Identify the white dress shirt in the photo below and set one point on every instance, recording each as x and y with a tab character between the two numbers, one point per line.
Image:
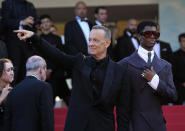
143	53
85	28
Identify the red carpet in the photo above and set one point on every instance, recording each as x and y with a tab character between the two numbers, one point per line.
174	115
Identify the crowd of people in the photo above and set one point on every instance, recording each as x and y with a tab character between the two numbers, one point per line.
136	73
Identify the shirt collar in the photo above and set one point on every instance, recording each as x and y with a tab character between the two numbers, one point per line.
129	34
143	53
101	62
79	19
33	76
97	22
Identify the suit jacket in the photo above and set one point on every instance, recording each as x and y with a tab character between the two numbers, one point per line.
166	51
29	107
124	47
75	41
86	113
179	73
3	50
146	102
13	11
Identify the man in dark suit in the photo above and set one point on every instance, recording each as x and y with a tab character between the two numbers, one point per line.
152	82
179	69
100	15
99	84
127	43
77	31
18	14
56	77
29	106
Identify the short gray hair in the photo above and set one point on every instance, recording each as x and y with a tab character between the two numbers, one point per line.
105	29
35	62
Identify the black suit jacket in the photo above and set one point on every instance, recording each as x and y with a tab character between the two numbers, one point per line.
29	107
14	11
86	113
75	41
146	109
166	51
179	74
124	47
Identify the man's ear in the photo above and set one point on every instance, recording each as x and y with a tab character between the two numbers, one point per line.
95	15
107	43
139	37
40	70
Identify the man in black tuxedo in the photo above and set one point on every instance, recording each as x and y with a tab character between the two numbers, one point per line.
127	43
29	106
99	84
179	69
56	77
18	14
100	15
152	82
77	31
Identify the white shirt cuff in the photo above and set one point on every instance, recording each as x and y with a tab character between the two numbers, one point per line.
20	25
154	82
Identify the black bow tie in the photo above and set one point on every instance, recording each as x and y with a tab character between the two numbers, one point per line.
85	20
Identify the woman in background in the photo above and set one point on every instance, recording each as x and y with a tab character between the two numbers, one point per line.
6	77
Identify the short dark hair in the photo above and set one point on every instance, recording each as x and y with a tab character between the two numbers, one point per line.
182	35
45	16
2	64
98	8
142	25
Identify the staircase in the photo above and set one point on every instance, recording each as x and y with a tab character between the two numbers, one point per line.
174	115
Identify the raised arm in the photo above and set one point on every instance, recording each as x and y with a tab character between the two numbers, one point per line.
55	55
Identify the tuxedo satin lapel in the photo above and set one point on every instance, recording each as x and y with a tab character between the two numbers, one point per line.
108	79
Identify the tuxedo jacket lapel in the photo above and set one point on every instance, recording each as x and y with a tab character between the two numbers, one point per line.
80	31
136	61
108	80
157	64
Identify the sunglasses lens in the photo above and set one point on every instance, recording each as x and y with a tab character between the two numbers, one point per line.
148	34
156	35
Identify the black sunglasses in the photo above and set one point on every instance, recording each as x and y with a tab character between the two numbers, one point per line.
148	34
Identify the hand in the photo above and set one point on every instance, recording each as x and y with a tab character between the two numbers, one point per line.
24	34
29	21
4	93
148	74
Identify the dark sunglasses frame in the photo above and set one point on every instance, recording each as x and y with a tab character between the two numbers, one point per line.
148	34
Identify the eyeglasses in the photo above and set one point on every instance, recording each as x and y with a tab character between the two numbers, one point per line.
148	34
10	69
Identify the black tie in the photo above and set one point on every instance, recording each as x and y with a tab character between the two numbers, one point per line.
149	60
